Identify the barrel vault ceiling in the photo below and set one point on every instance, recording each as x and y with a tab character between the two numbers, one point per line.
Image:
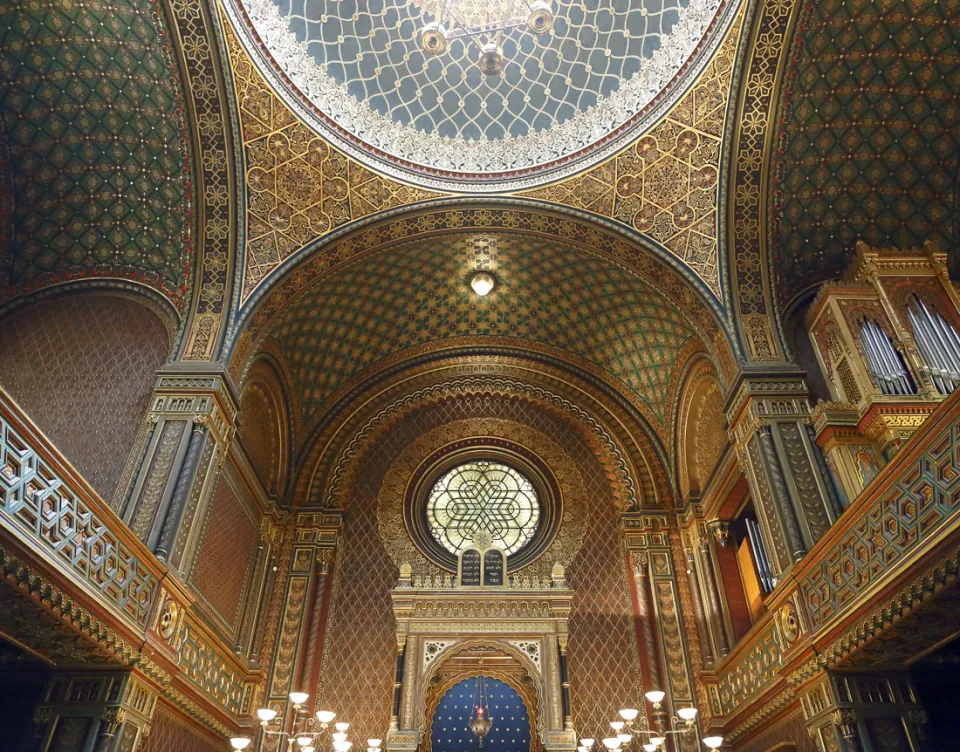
869	136
95	151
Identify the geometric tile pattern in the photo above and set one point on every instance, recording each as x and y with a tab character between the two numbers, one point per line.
665	185
94	122
98	355
546	293
38	507
925	499
299	188
357	671
869	141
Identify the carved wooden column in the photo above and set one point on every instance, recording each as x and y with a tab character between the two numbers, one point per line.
645	618
648	534
768	415
189	428
297	655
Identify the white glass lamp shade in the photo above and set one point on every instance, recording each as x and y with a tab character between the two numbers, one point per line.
298	698
266	714
581	748
656	741
309	749
656	696
240	742
340	736
625	738
629	714
374	743
616	725
713	742
325	716
613	743
588	743
688	714
649	747
342	746
304	741
341	727
482	283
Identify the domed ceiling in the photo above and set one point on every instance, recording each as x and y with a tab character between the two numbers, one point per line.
358	71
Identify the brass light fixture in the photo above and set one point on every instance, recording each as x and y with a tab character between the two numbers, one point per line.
480	720
482	282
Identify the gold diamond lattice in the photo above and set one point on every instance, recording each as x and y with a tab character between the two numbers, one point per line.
483	496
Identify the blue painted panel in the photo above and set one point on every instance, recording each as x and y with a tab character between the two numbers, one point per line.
511	722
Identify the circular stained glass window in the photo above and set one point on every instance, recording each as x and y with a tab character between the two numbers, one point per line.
483	495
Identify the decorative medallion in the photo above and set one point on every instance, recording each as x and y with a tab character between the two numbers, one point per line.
388	83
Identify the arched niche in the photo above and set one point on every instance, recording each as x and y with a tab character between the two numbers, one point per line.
701	428
263	425
82	365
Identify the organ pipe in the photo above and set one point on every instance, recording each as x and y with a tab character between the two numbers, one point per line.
884	361
938	344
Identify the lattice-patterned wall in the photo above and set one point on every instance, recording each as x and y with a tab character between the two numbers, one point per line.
360	644
171	732
82	367
221	571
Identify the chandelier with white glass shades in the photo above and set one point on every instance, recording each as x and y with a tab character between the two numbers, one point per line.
306	732
668	729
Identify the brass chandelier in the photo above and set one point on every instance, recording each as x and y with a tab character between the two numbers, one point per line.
482	22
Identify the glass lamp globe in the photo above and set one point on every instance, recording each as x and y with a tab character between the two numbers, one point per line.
588	743
656	741
655	696
581	748
240	742
616	725
325	716
266	714
713	742
482	283
309	749
374	743
342	746
625	738
613	743
298	698
629	714
304	741
339	736
649	747
341	727
688	714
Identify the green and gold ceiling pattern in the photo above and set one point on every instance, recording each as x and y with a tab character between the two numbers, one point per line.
869	142
98	157
416	296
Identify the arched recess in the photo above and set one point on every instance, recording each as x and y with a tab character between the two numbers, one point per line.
496	659
701	428
82	365
263	428
376	468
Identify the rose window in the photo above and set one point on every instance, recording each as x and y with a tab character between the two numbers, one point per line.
483	495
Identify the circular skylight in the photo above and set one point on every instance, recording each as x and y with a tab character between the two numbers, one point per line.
358	71
482	495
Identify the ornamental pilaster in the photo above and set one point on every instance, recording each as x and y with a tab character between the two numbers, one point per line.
189	427
769	419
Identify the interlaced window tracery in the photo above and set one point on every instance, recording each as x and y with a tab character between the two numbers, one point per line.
483	495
